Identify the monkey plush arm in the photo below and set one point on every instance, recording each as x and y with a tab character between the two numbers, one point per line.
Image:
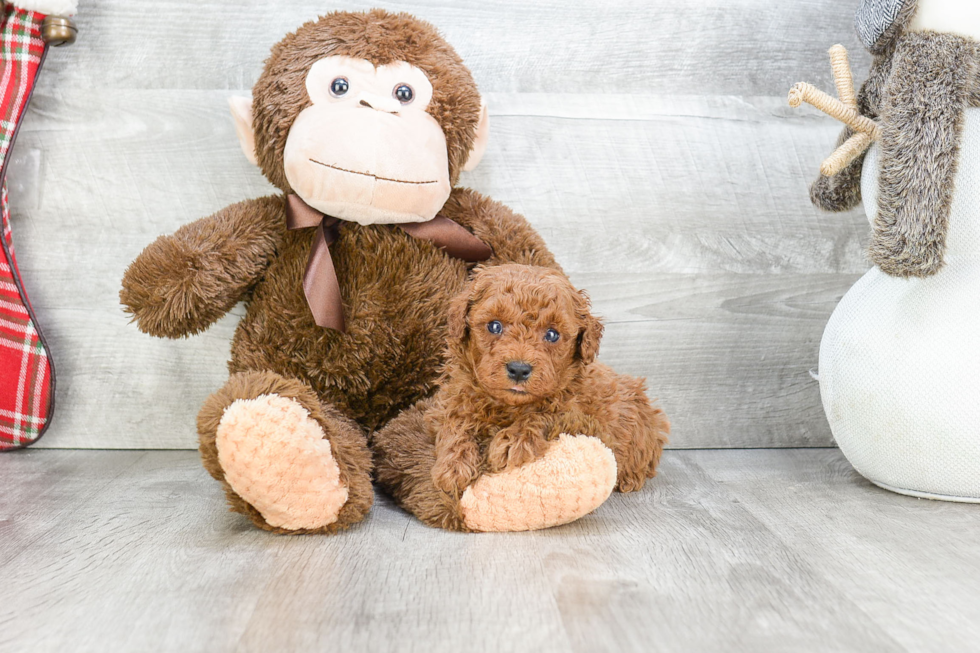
181	284
509	234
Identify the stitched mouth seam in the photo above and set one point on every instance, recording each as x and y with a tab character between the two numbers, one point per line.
366	174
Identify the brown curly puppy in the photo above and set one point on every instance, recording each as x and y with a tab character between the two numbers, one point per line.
520	371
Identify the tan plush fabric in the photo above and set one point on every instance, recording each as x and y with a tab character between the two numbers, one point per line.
396	170
275	456
348	445
562	486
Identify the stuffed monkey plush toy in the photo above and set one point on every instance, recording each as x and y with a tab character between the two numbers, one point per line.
364	121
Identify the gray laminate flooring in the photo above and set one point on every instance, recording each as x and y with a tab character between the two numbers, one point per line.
752	550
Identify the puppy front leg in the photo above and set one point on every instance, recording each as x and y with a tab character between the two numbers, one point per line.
457	460
518	444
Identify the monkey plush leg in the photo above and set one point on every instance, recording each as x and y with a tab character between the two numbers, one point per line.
404	455
573	478
287	462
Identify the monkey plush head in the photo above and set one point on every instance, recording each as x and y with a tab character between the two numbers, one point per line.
368	117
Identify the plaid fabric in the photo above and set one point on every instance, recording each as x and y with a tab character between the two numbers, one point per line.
26	376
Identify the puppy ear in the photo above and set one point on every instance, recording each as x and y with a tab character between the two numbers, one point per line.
590	330
458	328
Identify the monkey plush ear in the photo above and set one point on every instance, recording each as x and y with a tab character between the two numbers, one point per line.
457	329
481	139
241	112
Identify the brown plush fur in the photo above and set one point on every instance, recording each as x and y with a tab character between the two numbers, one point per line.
395	288
404	454
481	421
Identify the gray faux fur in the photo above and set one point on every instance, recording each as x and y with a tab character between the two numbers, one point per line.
919	85
842	192
922	111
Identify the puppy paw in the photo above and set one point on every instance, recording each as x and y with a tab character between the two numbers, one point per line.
630	482
509	450
453	474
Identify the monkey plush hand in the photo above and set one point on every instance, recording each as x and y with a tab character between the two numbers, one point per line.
364	121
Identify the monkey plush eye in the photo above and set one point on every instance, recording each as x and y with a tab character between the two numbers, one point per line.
551	335
339	86
404	93
495	327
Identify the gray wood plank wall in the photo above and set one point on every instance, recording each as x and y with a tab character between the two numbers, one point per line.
649	142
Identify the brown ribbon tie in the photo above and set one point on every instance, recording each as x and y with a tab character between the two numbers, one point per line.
320	284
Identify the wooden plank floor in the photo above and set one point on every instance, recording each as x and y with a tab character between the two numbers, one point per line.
752	550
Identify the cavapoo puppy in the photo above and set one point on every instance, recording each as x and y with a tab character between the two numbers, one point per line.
520	371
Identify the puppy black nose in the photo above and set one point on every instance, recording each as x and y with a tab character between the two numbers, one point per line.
518	370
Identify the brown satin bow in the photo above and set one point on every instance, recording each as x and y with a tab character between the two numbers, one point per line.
320	279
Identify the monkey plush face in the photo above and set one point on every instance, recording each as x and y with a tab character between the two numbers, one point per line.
368	117
366	150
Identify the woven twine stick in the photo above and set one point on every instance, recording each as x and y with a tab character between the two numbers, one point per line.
841	66
843	155
834	108
844	109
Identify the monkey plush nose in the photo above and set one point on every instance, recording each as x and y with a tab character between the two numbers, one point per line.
518	370
378	103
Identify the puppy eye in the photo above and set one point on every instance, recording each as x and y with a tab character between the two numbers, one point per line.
404	93
551	335
339	86
495	327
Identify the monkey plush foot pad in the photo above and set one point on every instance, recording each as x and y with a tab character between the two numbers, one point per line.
572	479
275	457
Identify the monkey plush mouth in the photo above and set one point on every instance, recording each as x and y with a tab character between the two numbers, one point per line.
367	174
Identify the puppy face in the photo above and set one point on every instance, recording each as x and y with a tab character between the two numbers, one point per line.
524	332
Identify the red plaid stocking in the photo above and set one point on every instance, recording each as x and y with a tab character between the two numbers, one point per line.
26	375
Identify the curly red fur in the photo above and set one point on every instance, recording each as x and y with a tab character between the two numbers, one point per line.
484	421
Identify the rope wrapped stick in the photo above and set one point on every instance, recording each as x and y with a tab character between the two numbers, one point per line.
851	149
844	109
841	67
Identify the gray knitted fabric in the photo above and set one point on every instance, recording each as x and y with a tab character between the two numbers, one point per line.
875	17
